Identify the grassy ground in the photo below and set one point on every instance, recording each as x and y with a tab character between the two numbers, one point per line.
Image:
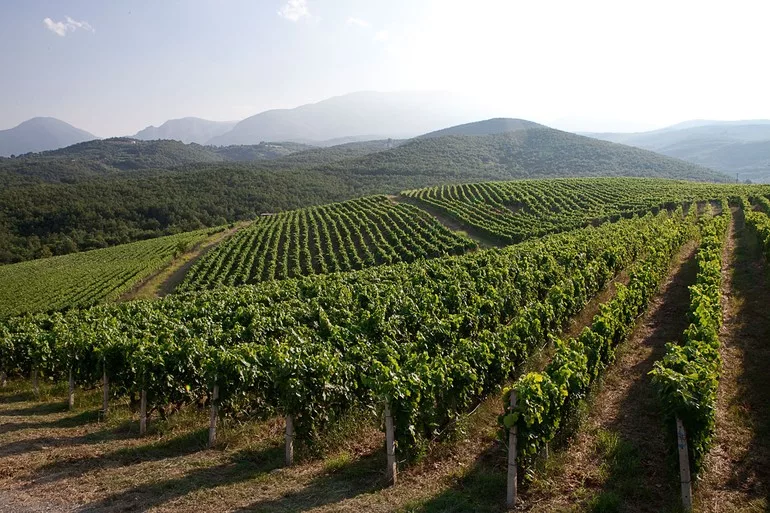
617	459
737	476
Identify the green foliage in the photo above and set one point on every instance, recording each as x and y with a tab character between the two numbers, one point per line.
430	337
111	192
688	375
510	212
545	400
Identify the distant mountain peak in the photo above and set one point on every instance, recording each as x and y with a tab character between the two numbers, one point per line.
40	134
187	130
382	115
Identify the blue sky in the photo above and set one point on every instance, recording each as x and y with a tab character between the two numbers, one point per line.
115	67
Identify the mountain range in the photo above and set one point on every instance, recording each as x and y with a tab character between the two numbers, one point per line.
739	148
370	115
187	130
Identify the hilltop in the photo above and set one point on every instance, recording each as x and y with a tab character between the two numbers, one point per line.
486	127
40	134
524	153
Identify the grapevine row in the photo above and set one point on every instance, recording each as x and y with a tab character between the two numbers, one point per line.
544	400
509	212
688	375
428	338
338	237
87	278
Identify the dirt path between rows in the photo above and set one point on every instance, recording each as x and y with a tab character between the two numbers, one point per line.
736	477
479	237
166	280
617	461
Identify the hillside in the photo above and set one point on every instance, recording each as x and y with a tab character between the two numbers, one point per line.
127	154
486	127
103	210
87	278
110	157
371	114
40	134
186	130
526	153
732	147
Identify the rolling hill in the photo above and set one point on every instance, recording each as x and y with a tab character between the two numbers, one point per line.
740	147
186	130
40	134
127	205
524	153
108	157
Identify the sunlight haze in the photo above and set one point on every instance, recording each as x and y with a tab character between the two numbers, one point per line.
114	68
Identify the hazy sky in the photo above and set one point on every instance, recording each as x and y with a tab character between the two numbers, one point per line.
113	67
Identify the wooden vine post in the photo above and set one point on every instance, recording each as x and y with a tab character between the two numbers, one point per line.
214	415
390	446
35	386
143	413
512	469
105	391
3	378
684	465
289	440
71	395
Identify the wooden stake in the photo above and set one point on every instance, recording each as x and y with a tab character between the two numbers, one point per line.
289	440
684	465
71	396
213	418
512	469
35	386
390	446
105	392
3	378
143	414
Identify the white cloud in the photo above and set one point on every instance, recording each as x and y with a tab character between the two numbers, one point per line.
358	22
61	28
293	10
382	35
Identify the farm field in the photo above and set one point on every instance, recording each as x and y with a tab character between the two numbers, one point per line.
316	240
574	318
88	278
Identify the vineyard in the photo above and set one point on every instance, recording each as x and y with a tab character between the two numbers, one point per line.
330	238
88	278
509	212
313	315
